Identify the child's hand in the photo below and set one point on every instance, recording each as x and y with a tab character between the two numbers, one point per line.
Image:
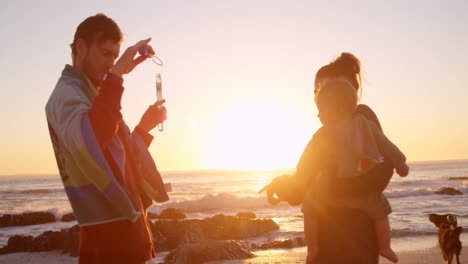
271	194
403	170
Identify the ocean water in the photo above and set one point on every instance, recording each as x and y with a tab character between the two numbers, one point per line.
206	193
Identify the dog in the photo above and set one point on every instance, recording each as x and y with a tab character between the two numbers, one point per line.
449	235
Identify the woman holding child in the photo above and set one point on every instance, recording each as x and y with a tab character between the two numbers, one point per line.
344	169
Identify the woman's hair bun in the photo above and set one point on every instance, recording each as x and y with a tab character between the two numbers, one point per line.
347	63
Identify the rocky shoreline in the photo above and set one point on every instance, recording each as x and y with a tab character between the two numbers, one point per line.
220	237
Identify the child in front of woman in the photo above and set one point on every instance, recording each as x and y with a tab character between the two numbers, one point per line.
352	145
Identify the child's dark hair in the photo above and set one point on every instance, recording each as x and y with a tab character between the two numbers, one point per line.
97	28
346	65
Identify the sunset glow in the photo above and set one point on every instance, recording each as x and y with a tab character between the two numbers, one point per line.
238	76
255	135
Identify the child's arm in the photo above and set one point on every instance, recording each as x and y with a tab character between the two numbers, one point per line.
390	151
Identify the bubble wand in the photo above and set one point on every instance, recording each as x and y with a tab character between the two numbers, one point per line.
159	96
144	52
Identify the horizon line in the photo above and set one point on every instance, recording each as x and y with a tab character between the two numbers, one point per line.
221	169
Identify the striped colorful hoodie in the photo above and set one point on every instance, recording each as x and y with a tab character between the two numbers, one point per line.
94	186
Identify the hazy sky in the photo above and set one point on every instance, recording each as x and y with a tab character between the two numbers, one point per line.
238	75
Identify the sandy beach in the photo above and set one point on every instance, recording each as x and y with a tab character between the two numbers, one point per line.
427	256
411	255
410	250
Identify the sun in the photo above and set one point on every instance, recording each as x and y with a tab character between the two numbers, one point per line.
260	135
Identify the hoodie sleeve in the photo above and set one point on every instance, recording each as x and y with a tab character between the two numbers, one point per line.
105	114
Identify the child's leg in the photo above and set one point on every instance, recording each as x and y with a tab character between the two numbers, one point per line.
311	236
382	229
